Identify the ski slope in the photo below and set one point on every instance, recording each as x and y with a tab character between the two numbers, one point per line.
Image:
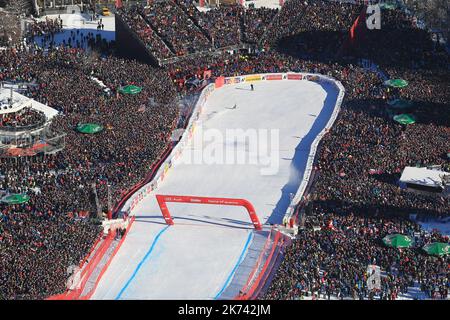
197	257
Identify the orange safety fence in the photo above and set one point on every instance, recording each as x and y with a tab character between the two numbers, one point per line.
248	292
87	271
105	267
245	288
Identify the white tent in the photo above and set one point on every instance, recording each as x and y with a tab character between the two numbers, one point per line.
423	177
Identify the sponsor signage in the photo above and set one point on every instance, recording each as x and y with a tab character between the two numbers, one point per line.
232	80
253	78
294	77
274	77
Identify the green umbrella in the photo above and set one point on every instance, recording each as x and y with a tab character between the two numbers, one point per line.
16	198
437	248
405	118
400	103
89	128
396	83
130	89
388	6
397	241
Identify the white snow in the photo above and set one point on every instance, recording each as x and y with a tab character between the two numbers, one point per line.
82	22
20	101
423	176
271	4
196	257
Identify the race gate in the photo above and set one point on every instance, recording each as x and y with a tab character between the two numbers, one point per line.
163	199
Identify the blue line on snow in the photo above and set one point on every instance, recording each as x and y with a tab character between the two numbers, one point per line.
241	257
142	262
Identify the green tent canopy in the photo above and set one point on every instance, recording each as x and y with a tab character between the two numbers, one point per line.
405	119
15	198
396	83
397	241
388	6
400	103
89	128
130	89
437	248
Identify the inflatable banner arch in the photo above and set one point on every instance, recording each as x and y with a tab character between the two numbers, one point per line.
163	199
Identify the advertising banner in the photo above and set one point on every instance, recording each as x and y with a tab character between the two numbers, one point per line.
311	77
294	77
232	80
219	82
274	77
253	78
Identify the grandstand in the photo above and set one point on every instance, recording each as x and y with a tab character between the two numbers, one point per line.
25	126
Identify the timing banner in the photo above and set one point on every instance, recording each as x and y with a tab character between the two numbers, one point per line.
273	77
312	77
232	80
219	82
163	199
253	78
294	77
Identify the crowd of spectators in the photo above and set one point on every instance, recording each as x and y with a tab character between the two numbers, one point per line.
60	186
132	17
223	25
22	118
256	23
416	50
45	27
175	27
178	27
298	17
360	162
356	172
332	263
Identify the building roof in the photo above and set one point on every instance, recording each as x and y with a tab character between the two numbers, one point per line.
20	101
423	176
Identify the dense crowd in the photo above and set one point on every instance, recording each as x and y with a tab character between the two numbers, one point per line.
132	17
223	25
22	118
357	168
256	23
45	27
60	186
175	27
325	263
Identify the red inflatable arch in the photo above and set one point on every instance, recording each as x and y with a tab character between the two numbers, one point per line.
163	199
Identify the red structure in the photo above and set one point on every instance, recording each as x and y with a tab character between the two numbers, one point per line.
163	199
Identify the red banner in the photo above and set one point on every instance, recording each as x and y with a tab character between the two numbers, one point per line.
294	77
274	77
220	81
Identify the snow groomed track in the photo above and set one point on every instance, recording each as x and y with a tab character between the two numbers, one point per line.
199	256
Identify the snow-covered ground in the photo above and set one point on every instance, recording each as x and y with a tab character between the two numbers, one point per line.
272	4
84	23
196	257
